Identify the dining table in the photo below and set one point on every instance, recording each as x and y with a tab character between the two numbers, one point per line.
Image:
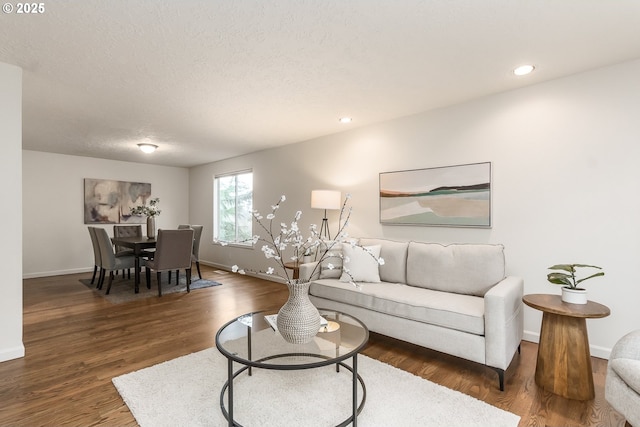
140	245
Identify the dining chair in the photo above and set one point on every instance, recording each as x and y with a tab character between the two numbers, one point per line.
173	252
110	262
126	231
96	255
195	254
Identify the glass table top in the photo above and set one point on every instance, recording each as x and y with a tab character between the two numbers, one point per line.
252	340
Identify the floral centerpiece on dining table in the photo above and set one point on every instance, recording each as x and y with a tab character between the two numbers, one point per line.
298	320
147	210
151	211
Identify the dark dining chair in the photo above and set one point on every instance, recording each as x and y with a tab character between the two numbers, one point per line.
173	252
110	262
195	253
126	231
97	260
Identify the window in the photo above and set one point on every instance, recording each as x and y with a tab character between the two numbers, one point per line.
232	204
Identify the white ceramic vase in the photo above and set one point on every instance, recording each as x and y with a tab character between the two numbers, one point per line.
298	320
574	296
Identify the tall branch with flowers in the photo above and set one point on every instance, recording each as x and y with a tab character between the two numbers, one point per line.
148	211
280	237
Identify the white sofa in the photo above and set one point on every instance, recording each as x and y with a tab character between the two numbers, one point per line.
622	386
454	299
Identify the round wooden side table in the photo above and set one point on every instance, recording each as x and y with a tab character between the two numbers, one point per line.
295	266
563	366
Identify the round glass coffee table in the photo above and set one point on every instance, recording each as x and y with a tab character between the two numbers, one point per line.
253	342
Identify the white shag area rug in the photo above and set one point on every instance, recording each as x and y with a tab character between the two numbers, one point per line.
186	392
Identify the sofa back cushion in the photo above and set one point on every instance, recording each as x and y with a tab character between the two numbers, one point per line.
394	254
331	265
470	269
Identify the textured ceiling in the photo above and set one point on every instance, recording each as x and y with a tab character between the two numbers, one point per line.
212	79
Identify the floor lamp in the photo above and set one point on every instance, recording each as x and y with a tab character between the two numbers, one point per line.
325	199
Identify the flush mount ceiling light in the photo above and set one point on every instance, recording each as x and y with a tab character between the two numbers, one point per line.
147	148
345	119
523	70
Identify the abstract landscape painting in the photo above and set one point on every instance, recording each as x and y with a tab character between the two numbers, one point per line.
454	196
110	202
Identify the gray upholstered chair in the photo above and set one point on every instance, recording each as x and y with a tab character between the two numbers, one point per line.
110	262
197	235
126	231
622	386
97	260
173	252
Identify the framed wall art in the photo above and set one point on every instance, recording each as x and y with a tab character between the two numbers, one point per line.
110	202
453	196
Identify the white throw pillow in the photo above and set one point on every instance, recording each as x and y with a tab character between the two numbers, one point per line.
361	263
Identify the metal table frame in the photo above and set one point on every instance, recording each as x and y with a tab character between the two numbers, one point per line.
248	364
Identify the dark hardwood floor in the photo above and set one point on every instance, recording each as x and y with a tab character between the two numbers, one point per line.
76	341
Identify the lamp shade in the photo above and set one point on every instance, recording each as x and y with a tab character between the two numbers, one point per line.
325	199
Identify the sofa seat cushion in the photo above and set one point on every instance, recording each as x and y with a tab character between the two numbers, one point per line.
453	311
629	371
470	269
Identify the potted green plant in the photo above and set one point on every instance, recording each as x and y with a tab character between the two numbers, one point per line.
566	277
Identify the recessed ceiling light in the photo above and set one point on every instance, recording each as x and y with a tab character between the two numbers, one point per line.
523	70
345	119
147	148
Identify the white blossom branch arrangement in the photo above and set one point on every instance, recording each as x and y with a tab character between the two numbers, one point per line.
151	210
280	237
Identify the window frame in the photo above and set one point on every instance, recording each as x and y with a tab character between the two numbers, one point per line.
245	242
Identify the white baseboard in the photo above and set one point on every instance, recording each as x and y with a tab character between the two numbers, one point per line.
57	273
596	351
12	353
531	337
600	352
270	277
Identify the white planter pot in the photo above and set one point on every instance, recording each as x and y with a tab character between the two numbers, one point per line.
574	296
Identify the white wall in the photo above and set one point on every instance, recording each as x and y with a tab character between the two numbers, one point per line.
11	346
566	178
55	238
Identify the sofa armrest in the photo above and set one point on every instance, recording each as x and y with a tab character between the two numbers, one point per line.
627	347
307	269
503	321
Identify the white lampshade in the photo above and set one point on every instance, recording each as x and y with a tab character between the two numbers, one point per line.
325	199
